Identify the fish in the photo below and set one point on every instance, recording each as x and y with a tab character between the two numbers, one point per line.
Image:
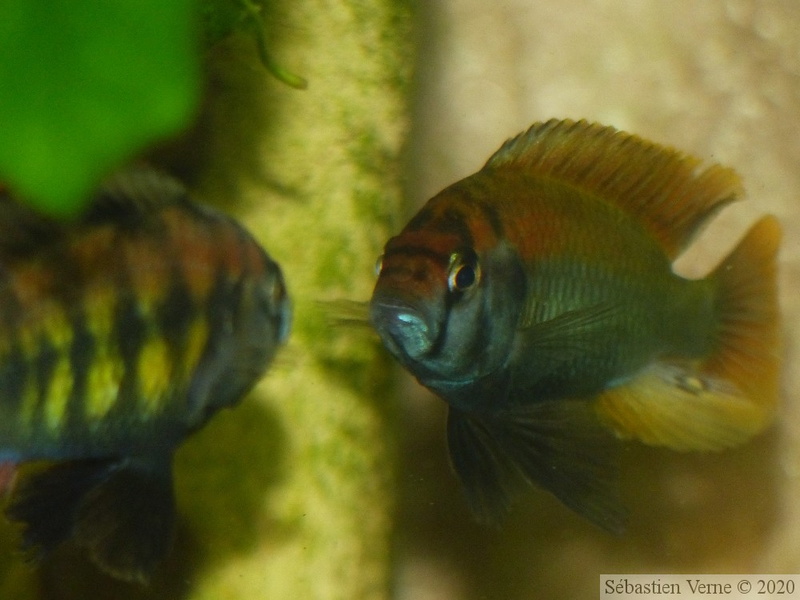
537	298
122	333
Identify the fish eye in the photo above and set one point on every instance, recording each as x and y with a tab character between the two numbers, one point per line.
464	272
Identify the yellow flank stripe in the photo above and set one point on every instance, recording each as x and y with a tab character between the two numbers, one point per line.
107	370
5	344
154	375
30	397
102	386
58	392
150	274
195	345
56	395
54	328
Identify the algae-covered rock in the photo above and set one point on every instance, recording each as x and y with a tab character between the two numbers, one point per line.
319	181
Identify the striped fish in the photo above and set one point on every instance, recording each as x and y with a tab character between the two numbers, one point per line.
537	298
120	334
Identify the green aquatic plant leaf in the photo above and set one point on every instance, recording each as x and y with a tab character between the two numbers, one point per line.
84	85
223	17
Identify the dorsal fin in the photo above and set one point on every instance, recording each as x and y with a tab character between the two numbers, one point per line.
134	192
669	192
125	198
22	229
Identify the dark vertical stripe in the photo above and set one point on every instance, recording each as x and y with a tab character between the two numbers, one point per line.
82	352
237	293
13	377
128	335
213	382
10	307
456	222
483	333
44	364
174	313
174	317
218	309
14	367
218	315
421	220
491	215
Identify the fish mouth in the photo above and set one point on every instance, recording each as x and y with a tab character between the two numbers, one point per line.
407	330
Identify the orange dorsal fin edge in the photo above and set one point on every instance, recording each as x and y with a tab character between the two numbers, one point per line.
669	192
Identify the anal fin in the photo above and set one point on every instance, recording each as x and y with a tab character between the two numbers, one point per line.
679	406
556	445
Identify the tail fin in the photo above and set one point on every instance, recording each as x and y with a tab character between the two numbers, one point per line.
727	398
121	511
748	335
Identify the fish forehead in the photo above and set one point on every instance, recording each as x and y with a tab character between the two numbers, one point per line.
416	260
468	211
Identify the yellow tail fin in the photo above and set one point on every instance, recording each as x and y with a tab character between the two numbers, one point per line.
727	398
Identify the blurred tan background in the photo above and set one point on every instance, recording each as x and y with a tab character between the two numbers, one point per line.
719	79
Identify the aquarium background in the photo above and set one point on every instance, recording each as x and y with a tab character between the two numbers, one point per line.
331	480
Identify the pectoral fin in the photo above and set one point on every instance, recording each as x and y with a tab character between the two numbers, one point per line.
556	445
564	325
683	408
554	349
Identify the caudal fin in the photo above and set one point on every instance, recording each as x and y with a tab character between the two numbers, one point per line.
748	335
727	398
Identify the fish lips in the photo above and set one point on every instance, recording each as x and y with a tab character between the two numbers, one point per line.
408	327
